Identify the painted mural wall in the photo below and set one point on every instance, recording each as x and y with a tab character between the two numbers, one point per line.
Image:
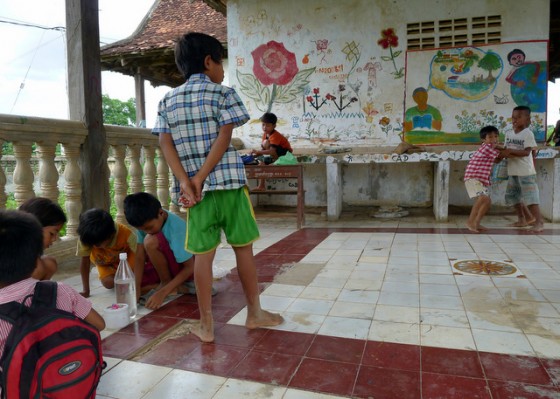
452	93
334	71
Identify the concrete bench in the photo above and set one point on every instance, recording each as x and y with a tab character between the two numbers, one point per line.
548	170
281	172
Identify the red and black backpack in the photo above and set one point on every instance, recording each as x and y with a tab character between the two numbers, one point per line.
49	353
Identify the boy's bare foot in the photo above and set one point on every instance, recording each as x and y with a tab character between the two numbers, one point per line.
264	319
259	188
537	228
482	228
203	333
472	228
531	222
519	224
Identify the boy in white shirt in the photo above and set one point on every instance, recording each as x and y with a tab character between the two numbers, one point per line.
522	183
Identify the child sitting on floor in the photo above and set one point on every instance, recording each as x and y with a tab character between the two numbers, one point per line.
52	218
21	246
101	240
162	264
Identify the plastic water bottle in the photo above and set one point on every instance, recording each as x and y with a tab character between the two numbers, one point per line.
125	285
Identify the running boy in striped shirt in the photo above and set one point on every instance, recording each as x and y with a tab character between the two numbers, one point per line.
477	176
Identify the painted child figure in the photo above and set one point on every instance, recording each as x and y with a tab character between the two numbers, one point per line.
477	177
195	124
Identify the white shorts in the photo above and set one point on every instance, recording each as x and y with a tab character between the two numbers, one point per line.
475	188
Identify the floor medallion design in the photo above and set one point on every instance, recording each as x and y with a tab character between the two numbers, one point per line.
485	267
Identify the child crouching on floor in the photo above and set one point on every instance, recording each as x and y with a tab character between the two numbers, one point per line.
162	265
101	240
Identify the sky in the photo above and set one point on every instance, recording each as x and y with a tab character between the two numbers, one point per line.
33	76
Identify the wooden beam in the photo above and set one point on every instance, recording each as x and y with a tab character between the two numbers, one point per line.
84	94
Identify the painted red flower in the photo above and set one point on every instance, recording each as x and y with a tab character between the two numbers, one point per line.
388	38
273	64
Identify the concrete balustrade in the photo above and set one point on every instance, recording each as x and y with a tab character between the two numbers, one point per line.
132	163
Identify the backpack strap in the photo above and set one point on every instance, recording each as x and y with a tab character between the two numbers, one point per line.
45	294
10	311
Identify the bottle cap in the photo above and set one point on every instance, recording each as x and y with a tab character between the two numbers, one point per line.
122	256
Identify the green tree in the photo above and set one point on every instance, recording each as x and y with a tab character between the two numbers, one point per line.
117	112
490	62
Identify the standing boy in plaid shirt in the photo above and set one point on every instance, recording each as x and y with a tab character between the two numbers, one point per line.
194	124
477	176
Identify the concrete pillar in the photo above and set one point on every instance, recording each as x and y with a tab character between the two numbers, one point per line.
441	191
334	189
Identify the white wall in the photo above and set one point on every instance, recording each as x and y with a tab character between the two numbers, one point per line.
336	43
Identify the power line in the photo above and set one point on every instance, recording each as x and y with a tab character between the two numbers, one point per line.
59	28
22	85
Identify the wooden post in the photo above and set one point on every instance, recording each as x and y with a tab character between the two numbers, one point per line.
140	101
84	94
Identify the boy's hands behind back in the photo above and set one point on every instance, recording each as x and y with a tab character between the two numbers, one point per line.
188	197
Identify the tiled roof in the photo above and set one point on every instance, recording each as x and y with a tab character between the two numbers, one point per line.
149	50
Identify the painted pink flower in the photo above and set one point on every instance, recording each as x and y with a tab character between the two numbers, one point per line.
273	64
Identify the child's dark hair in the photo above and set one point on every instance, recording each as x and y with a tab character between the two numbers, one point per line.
48	212
21	243
96	225
191	50
486	130
513	52
269	117
523	108
140	208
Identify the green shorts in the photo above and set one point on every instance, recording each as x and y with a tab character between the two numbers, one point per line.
227	210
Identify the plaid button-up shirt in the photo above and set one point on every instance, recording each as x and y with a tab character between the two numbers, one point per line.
193	114
481	163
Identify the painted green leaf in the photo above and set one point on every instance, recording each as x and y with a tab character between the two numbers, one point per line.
252	88
397	53
290	92
386	58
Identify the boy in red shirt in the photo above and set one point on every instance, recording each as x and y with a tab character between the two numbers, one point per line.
274	144
477	176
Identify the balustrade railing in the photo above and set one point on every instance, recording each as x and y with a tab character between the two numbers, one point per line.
135	161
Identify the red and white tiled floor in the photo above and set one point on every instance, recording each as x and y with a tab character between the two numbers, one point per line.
373	309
